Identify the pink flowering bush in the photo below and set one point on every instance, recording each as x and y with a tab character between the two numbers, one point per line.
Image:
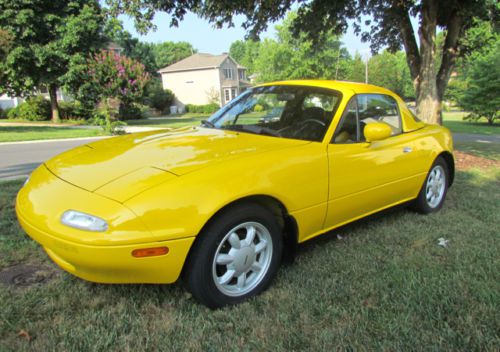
117	77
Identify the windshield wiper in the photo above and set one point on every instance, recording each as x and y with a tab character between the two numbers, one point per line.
208	123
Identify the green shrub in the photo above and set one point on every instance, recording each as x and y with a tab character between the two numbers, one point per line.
33	109
13	113
108	125
74	110
210	108
132	111
258	108
161	100
202	109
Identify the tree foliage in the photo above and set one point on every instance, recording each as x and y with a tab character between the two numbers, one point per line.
153	56
47	37
167	53
291	57
245	53
387	22
481	94
389	70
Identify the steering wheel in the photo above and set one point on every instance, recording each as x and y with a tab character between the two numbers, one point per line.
312	120
301	126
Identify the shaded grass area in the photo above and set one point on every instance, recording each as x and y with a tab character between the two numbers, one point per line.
485	150
385	285
454	121
28	133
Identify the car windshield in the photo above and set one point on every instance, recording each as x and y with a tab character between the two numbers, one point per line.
295	112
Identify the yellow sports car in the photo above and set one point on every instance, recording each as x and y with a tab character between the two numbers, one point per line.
220	204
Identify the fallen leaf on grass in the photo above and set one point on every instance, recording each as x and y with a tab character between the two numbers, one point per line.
25	334
443	242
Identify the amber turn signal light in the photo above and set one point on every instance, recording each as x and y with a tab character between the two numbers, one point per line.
149	252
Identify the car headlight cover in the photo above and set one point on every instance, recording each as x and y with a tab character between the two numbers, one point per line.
83	221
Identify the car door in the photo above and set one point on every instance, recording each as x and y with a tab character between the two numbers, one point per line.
366	177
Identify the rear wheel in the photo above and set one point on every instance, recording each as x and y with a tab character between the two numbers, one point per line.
433	192
235	257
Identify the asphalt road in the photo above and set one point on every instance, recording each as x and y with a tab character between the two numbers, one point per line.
17	160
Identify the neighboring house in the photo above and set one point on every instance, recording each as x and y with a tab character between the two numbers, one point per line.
204	78
11	102
7	102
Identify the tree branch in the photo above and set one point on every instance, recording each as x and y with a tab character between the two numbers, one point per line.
450	52
409	40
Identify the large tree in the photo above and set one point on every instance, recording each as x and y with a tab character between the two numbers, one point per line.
297	57
47	37
388	23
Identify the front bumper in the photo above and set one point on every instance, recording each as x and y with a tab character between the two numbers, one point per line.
98	257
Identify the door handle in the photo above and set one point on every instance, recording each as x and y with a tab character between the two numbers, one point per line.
407	150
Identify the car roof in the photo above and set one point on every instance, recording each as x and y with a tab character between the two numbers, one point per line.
355	87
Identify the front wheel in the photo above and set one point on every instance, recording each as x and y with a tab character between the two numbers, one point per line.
433	192
235	257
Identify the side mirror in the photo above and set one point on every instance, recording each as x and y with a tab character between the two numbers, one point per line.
377	131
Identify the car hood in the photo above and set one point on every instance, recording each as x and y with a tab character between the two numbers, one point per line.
131	163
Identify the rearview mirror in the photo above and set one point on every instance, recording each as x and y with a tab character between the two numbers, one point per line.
377	131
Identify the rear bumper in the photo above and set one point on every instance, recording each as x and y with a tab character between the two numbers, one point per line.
112	264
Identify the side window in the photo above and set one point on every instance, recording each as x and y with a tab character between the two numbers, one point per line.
348	130
379	108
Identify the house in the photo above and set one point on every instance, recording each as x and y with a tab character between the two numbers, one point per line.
204	78
7	102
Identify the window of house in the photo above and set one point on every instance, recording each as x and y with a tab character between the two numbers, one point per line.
242	74
233	93
228	73
227	95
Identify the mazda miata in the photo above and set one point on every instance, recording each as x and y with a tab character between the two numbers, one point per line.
221	203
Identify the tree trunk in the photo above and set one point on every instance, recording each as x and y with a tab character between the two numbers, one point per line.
429	82
428	102
53	103
428	97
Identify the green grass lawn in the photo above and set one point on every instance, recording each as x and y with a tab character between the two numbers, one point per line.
385	285
27	133
454	121
485	150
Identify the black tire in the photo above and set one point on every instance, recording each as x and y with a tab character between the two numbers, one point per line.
422	204
202	271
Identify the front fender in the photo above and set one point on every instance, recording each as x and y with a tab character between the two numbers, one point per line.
297	177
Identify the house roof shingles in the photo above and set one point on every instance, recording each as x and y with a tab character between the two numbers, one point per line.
196	62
